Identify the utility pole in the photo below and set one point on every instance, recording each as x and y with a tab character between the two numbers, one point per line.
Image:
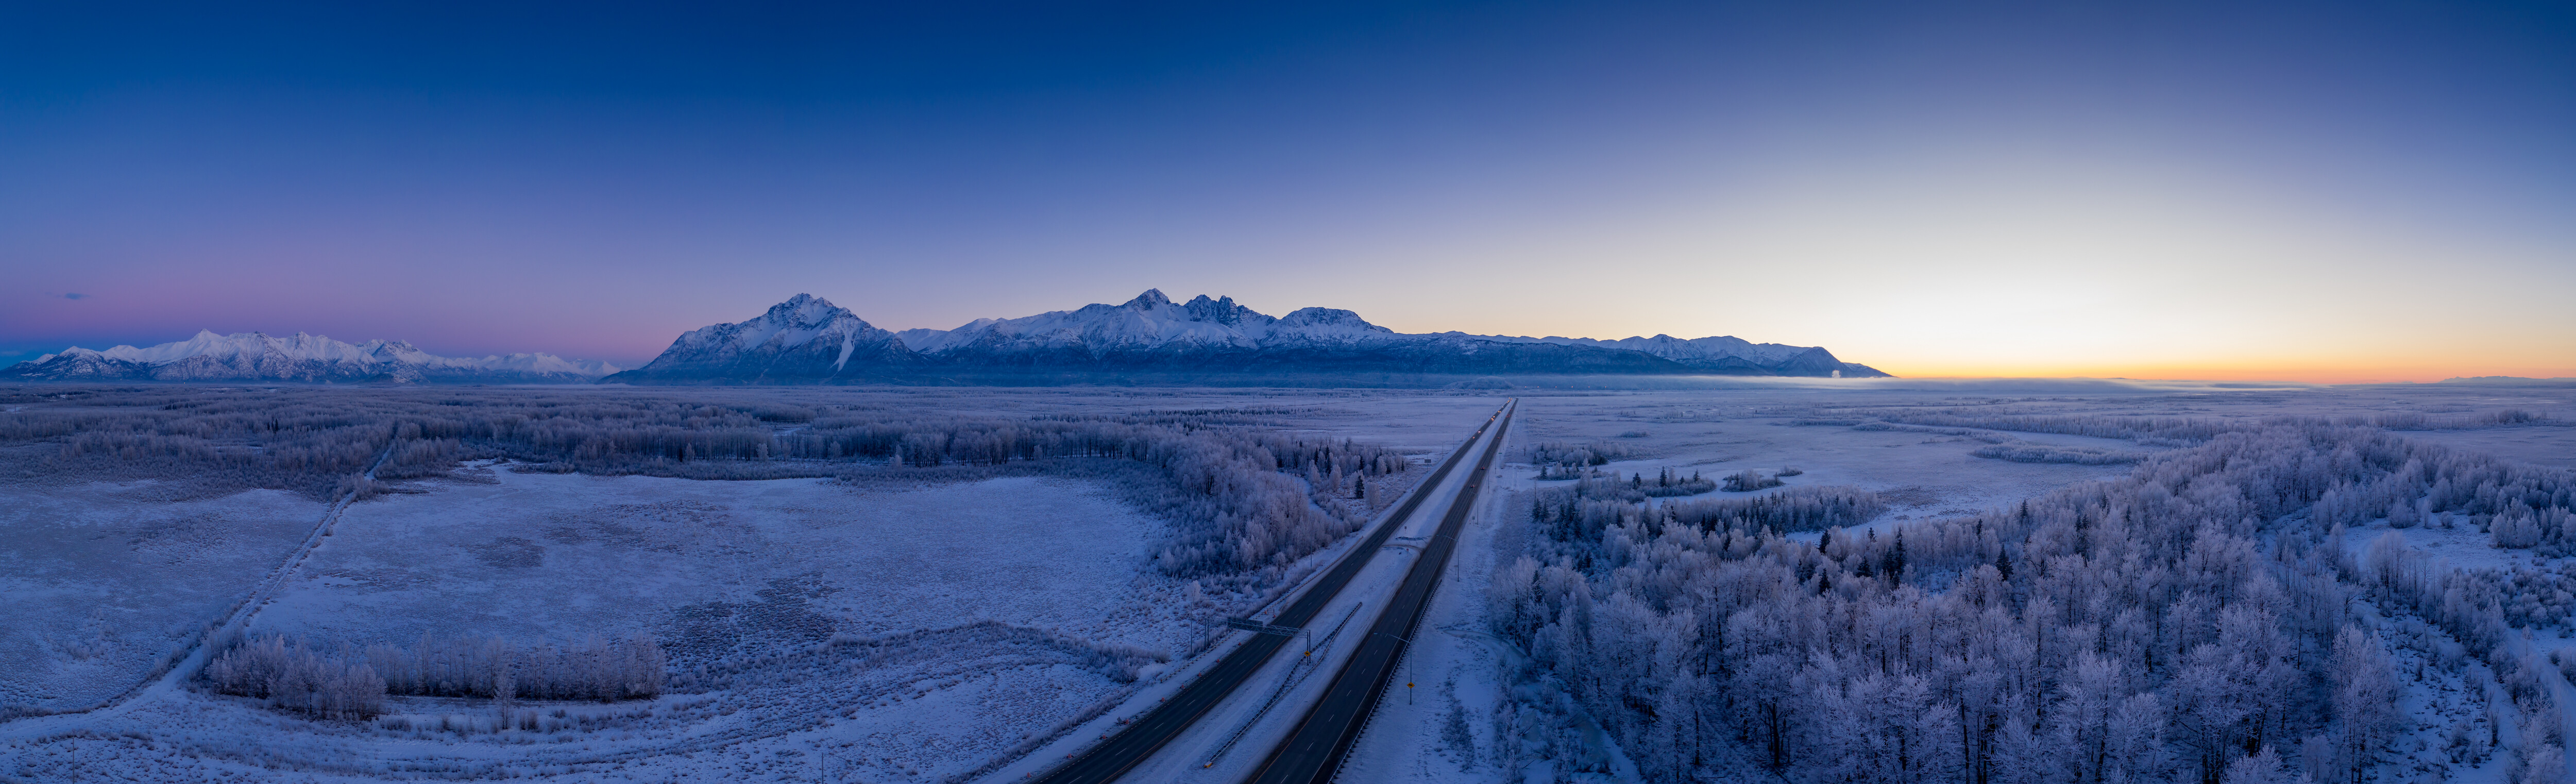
1406	655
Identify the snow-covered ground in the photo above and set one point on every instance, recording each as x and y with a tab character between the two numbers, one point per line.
879	633
818	629
911	632
103	580
1918	474
546	556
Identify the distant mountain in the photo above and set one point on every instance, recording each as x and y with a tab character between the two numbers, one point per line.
1148	324
803	340
807	339
2510	381
1726	355
254	356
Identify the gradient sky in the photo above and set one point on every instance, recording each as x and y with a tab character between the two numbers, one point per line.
2331	191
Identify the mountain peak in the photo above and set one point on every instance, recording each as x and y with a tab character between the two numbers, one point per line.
806	310
805	338
1152	298
1221	310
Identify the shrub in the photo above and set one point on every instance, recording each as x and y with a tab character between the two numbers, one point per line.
1749	480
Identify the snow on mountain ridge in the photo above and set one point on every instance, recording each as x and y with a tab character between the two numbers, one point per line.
786	326
207	356
1674	348
1152	334
805	338
1150	321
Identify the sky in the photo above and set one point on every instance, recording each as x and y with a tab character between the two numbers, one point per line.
2334	191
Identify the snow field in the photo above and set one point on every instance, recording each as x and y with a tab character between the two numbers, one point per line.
105	580
1918	474
540	556
896	633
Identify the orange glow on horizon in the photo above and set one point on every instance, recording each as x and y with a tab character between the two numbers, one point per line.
2247	372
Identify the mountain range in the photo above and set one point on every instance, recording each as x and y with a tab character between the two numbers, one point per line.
1151	338
808	340
255	356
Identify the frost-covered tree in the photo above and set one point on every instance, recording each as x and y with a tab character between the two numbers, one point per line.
2365	698
2182	623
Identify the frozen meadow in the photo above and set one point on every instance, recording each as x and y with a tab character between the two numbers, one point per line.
923	585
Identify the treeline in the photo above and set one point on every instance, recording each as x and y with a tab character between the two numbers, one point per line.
597	668
2042	453
294	676
2163	430
2192	621
1749	480
1574	520
1560	460
1243	496
2423	489
351	683
1565	454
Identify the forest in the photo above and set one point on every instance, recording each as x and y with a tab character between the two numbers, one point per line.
2203	619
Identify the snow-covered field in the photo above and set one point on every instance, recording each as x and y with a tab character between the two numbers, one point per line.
904	630
873	631
102	580
545	556
1918	473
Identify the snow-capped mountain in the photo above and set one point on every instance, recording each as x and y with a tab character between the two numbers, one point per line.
1150	323
256	356
808	339
1721	354
805	339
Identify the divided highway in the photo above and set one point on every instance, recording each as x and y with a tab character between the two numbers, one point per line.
1314	751
1148	733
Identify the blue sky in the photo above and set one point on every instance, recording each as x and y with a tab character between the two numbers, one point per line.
2323	191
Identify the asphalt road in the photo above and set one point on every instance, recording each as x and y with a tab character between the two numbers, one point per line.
1314	751
1147	734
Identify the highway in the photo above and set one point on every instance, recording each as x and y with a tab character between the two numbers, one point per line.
1148	733
1314	751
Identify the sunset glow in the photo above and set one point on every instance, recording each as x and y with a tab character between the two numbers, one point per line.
2311	192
